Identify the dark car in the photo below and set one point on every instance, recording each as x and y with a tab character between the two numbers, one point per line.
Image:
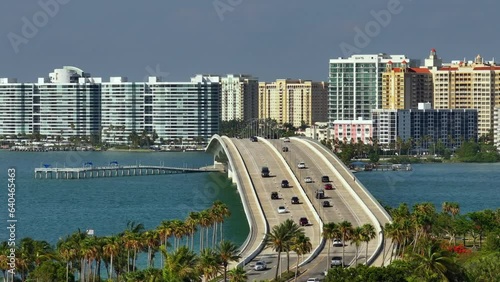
284	183
284	149
274	196
325	178
295	200
303	221
264	171
320	194
326	204
328	186
254	139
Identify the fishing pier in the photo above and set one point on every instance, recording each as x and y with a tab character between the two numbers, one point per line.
117	171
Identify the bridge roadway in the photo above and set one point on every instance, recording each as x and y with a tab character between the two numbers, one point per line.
350	201
256	155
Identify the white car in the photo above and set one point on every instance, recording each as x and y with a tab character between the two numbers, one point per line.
336	261
301	165
337	243
260	265
308	179
286	139
282	209
313	280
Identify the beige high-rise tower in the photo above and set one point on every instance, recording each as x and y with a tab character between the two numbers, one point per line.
293	101
469	85
403	88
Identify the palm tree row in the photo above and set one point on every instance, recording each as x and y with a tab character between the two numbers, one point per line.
287	237
347	232
83	255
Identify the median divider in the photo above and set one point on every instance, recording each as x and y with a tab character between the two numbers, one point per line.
320	246
237	175
354	195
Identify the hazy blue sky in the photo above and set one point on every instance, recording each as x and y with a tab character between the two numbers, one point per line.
269	39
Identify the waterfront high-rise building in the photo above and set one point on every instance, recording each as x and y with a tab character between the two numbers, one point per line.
240	97
293	101
496	128
71	103
16	107
469	85
405	87
355	85
425	127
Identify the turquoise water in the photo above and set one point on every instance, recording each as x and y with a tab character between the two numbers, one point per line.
50	209
474	186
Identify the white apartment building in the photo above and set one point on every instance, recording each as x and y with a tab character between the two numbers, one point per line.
72	103
496	128
355	84
239	97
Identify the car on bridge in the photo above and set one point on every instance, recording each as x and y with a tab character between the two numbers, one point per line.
312	279
295	200
282	209
285	183
308	179
325	178
284	149
286	139
264	171
337	243
254	139
328	186
260	265
274	196
326	204
301	165
303	221
320	194
336	261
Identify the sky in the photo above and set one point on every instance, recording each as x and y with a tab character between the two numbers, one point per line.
177	39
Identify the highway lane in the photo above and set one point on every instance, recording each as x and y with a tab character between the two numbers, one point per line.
380	215
256	155
344	205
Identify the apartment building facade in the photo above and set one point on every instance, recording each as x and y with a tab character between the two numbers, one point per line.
72	103
405	87
293	101
239	97
469	85
355	85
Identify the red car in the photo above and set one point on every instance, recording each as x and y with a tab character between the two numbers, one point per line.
328	186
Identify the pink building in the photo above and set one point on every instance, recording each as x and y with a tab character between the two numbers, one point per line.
352	131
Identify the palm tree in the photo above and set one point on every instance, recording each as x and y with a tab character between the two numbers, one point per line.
330	232
178	231
209	264
111	248
165	231
368	234
191	223
67	252
132	241
151	239
294	230
345	228
180	265
356	238
301	245
277	239
224	212
227	251
238	274
434	262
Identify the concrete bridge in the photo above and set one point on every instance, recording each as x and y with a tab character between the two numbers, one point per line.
350	200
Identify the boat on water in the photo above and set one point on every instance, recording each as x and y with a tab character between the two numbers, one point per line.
402	167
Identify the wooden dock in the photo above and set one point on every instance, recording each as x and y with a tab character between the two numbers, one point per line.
117	171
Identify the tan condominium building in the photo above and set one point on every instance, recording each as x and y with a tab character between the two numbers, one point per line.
469	85
239	97
293	101
404	87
